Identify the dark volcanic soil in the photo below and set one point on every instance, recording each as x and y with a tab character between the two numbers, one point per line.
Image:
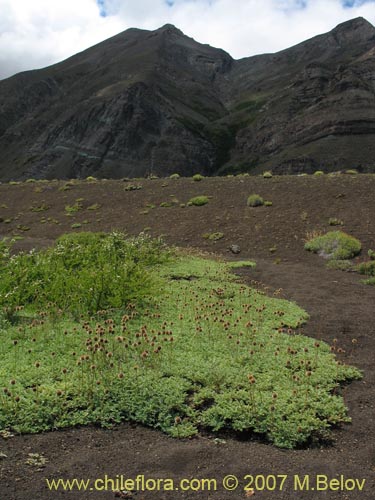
339	305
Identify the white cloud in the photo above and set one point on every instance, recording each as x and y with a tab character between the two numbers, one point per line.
35	33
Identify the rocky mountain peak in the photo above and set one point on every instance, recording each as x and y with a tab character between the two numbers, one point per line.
161	102
358	29
170	29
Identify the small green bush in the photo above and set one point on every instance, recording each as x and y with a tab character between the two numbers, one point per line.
40	208
351	172
268	203
333	221
367	268
198	201
174	176
71	209
334	245
267	174
371	254
254	200
241	263
213	236
340	265
370	281
82	273
95	206
132	187
319	172
197	177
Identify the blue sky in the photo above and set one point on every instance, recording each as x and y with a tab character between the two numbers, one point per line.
36	33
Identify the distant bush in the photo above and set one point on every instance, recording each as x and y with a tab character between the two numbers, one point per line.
319	172
213	236
40	208
90	178
198	201
367	268
370	281
132	187
334	245
371	254
197	177
241	263
351	172
341	265
95	206
268	203
267	175
174	176
333	221
254	200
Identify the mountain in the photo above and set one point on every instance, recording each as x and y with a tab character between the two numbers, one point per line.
159	102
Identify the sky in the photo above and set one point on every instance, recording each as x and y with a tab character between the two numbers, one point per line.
37	33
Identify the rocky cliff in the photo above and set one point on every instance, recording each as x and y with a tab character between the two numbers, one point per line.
158	102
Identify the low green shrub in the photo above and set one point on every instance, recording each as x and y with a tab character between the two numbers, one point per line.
334	245
241	263
95	206
319	172
198	201
132	187
40	208
197	177
333	221
370	281
81	274
213	236
367	268
340	265
267	175
268	203
174	176
71	209
254	200
351	172
371	254
235	366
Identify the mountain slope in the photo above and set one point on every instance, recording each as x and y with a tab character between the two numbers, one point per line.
159	102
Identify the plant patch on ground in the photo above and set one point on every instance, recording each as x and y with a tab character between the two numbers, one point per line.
334	245
171	341
213	236
254	200
198	201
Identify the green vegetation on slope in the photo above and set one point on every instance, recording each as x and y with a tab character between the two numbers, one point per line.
334	245
204	351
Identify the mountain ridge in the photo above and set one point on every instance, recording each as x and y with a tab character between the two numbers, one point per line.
158	102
